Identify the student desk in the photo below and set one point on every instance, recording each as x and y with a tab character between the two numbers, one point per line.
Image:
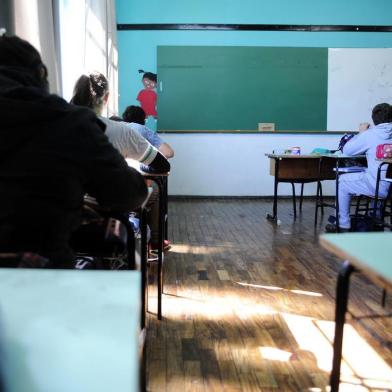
293	169
161	180
68	330
369	253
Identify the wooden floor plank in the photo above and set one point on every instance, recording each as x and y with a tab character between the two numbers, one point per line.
247	303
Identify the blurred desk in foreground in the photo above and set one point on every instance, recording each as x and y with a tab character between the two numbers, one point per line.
68	330
369	253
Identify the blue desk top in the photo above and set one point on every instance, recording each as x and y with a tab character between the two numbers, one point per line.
69	331
369	252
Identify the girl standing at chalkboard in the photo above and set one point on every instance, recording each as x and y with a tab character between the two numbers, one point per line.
148	96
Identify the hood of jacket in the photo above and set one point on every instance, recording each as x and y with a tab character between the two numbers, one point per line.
26	110
384	131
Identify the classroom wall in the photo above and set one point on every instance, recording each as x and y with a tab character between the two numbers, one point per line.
235	164
137	50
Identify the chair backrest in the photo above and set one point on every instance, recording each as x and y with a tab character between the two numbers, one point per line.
102	238
23	260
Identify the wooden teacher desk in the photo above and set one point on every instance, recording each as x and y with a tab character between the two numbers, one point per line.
304	169
68	330
370	254
293	169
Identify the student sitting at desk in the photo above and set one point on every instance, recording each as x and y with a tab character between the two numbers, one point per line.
364	183
52	153
136	116
92	91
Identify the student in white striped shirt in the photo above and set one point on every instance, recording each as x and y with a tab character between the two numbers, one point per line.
92	91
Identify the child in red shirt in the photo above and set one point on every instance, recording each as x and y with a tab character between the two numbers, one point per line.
148	96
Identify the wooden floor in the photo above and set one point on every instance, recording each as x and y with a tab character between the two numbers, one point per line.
249	306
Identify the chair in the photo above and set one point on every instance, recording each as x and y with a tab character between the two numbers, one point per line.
331	168
23	260
105	237
375	207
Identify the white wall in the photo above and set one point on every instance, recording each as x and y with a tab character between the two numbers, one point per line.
358	79
235	164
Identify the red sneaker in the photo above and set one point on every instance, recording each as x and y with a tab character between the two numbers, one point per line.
166	246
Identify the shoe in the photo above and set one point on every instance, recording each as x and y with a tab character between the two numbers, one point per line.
166	246
331	228
152	257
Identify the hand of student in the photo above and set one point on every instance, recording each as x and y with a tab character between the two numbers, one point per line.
363	127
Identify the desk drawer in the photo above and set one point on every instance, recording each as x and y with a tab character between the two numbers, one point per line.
296	168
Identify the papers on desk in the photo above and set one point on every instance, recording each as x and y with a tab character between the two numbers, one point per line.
351	169
133	163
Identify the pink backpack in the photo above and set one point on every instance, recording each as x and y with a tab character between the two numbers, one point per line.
384	151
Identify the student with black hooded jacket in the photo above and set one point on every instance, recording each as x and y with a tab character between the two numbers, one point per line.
51	154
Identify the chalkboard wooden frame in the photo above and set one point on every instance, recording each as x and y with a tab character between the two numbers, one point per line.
254	27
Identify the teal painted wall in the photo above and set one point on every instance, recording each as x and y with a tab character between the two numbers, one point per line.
137	49
373	12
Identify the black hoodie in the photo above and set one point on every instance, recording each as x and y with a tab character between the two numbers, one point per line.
51	154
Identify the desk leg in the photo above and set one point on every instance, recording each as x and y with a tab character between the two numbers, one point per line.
318	192
143	261
317	202
342	292
274	215
294	200
161	229
144	293
165	192
337	197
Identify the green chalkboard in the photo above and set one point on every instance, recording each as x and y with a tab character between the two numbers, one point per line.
235	88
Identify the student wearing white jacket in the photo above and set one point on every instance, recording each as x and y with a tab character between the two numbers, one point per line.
364	183
92	91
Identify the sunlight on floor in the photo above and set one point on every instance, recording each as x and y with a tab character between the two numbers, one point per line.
274	288
274	354
310	338
362	367
214	307
198	249
365	362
